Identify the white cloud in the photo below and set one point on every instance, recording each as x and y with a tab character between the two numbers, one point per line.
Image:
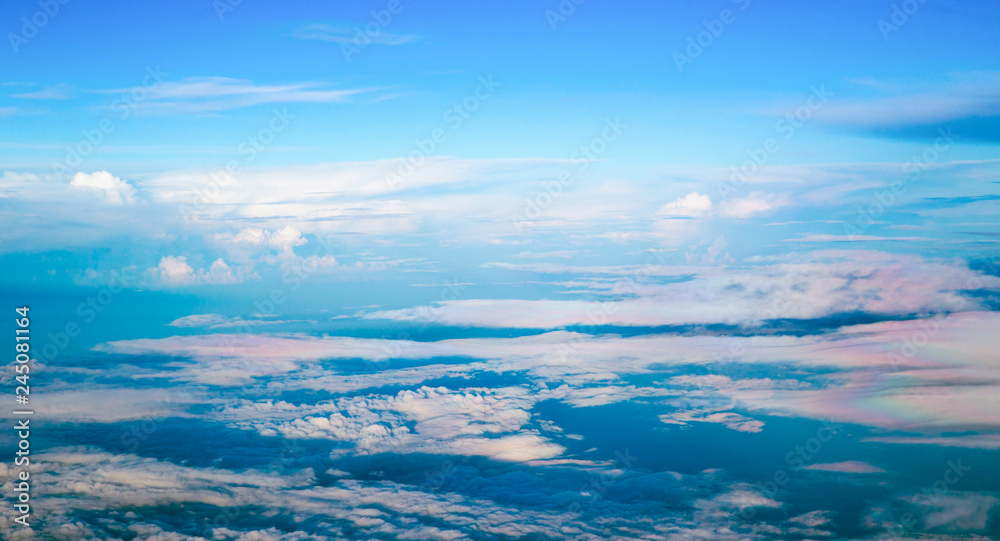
471	422
351	36
950	384
914	102
211	94
56	92
220	273
805	286
218	321
104	404
691	205
115	189
730	420
753	204
198	320
175	271
126	492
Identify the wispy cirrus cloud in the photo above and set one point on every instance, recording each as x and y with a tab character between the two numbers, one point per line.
850	466
213	94
55	92
351	35
967	102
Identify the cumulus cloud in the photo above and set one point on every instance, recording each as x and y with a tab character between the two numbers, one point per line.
175	271
691	205
127	492
473	422
116	190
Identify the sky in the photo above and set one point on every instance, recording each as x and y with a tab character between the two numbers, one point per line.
526	270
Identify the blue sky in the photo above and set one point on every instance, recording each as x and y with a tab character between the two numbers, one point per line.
525	270
601	61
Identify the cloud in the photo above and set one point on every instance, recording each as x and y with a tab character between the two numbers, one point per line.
198	320
213	94
730	420
812	519
948	384
282	242
981	441
955	511
967	103
808	286
105	404
850	466
562	254
481	422
218	321
351	36
56	92
740	497
115	189
128	494
691	205
175	271
695	205
854	238
354	201
753	204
